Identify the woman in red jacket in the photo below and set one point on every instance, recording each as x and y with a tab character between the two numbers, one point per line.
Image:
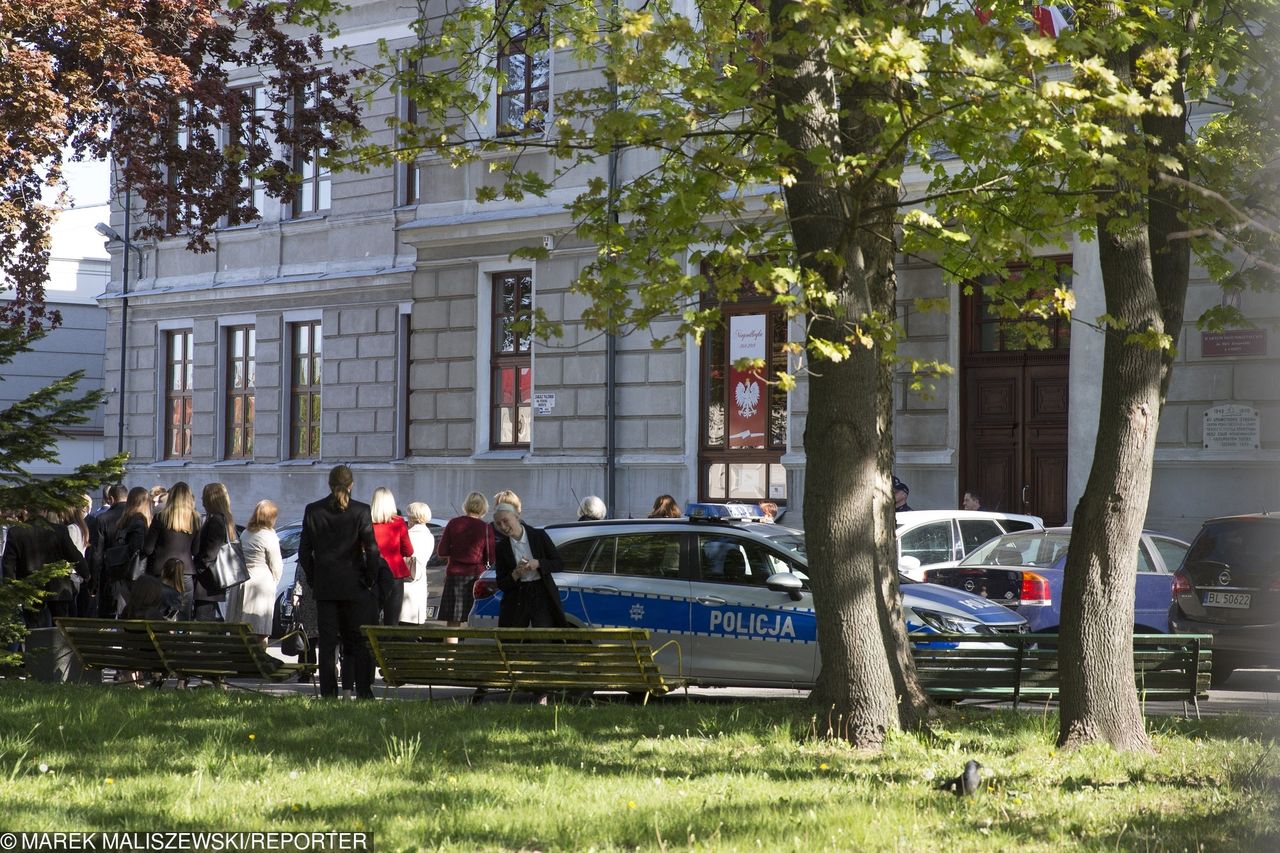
393	541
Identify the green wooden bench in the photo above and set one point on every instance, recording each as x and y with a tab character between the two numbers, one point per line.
522	659
125	646
181	649
1167	667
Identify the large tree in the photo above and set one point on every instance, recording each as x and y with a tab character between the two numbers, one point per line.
799	146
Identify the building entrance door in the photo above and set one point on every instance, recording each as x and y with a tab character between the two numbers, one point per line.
1014	403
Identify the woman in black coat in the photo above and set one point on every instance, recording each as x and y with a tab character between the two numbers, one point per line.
524	560
172	532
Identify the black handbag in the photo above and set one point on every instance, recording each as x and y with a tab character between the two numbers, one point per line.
226	571
294	643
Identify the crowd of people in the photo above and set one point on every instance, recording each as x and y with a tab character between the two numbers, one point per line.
150	554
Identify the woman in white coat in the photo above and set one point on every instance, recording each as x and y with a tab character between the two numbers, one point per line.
414	609
254	601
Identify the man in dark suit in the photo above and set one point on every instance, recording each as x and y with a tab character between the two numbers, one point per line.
102	534
28	548
339	556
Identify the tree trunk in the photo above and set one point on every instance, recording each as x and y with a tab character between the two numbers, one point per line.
1099	700
1145	277
867	686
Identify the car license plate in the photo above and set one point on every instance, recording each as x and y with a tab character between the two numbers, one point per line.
1226	599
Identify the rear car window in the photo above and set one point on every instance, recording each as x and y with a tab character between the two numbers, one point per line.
648	555
975	531
1013	525
1171	551
1239	543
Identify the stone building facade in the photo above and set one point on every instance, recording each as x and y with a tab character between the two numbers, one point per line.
372	327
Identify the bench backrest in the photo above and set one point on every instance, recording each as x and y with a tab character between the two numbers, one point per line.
571	658
225	649
119	644
1166	666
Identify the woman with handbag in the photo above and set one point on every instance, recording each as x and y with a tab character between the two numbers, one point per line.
393	543
218	529
254	601
414	611
467	543
172	532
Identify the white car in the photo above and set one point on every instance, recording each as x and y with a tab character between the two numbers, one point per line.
942	537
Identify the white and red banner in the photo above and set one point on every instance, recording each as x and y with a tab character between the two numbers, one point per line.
748	394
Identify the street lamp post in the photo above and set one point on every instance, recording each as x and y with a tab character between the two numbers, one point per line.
110	233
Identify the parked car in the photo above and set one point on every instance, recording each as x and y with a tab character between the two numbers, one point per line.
1024	571
944	537
1229	586
732	594
290	537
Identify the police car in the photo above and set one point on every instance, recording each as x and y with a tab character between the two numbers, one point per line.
730	591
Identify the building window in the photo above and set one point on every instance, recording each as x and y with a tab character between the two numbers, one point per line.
511	365
179	376
249	124
744	413
304	409
241	347
524	76
410	172
314	191
998	324
178	212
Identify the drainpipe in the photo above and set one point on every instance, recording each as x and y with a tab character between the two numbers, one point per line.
124	318
611	340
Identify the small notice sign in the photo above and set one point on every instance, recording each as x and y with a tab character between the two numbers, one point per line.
1231	428
1233	342
543	403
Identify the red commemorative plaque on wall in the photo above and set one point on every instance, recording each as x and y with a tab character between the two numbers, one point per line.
1233	342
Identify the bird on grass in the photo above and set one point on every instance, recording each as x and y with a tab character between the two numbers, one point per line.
967	783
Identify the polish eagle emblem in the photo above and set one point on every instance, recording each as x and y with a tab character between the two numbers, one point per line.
747	396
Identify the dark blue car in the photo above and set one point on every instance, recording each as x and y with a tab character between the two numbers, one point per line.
1024	571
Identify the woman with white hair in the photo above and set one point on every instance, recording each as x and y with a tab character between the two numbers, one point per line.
591	509
414	609
525	559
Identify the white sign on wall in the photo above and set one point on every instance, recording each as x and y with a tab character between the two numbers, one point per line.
543	403
1231	428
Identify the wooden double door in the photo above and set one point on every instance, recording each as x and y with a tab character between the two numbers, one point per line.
1014	419
1015	438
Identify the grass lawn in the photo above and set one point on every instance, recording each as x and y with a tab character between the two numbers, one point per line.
671	775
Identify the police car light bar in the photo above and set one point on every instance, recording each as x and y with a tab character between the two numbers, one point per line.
725	512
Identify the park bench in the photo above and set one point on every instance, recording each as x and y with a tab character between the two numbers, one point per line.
181	649
1013	668
521	659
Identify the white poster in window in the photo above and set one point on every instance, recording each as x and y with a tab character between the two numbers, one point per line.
748	394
